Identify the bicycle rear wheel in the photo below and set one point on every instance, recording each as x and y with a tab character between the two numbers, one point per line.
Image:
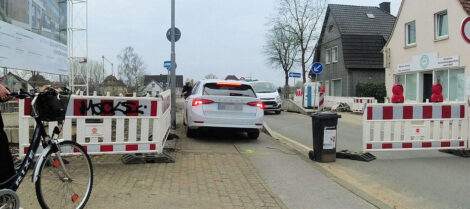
56	189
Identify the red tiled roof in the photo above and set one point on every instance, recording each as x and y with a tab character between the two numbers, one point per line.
466	5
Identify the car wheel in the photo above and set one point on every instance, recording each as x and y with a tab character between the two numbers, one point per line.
278	112
191	132
253	134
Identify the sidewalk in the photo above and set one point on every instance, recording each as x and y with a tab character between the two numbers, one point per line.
205	175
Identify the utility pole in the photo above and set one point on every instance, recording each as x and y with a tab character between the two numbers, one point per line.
173	67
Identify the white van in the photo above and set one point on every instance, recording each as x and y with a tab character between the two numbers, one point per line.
267	93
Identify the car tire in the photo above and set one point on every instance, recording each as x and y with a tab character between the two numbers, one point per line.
253	134
191	133
278	112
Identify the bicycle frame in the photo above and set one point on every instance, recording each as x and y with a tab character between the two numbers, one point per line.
14	182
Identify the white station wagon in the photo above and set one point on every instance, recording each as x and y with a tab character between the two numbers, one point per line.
223	104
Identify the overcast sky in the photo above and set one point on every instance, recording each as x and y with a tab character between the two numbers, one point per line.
218	36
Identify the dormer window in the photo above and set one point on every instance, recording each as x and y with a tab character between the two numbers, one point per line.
370	15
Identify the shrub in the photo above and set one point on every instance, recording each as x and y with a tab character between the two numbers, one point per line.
370	89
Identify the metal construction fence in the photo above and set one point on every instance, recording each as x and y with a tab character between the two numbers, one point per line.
104	124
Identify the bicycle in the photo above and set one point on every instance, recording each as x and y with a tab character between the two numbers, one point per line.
63	174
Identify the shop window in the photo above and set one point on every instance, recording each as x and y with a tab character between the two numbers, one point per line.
337	88
441	25
411	86
410	33
456	85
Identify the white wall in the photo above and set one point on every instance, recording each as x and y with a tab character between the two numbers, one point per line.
422	11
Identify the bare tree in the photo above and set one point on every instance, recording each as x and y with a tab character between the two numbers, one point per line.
131	68
281	50
302	18
210	76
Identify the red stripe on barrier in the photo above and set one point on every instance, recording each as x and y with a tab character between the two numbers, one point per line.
106	148
407	112
462	111
153	108
361	101
26	150
107	107
153	146
387	146
461	143
427	112
426	144
387	113
80	105
369	146
407	145
27	106
446	111
134	106
132	147
445	144
369	113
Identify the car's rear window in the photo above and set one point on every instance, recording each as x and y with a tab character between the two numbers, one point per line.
241	90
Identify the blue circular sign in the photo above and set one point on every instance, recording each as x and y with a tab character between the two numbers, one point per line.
317	68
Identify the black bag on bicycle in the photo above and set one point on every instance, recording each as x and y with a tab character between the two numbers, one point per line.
52	107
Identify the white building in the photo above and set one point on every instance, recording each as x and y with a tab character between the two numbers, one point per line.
426	46
153	88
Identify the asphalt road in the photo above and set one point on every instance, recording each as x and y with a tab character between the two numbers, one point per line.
410	179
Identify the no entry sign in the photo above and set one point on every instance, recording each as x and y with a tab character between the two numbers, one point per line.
466	29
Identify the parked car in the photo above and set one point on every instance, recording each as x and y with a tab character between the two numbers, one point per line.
223	104
269	95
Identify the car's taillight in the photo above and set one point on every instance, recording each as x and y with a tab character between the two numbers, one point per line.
258	104
197	102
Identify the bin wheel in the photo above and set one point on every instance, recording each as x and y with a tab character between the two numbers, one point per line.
311	155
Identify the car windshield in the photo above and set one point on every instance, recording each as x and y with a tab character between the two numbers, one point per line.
263	87
227	89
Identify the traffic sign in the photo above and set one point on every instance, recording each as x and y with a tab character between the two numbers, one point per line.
294	75
466	29
177	34
167	65
317	68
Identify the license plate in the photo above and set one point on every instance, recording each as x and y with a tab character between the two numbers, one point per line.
230	107
268	106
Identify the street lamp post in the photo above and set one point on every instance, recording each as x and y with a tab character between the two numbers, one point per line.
173	67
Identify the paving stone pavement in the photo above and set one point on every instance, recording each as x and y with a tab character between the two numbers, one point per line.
199	179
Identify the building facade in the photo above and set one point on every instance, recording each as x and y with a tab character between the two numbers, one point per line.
426	47
350	45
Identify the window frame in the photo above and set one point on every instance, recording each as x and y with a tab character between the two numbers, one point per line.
328	56
407	38
438	37
334	56
334	86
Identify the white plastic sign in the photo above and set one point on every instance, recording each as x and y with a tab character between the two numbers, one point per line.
329	138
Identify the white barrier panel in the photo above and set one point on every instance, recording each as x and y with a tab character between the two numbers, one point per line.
299	95
109	124
420	126
330	101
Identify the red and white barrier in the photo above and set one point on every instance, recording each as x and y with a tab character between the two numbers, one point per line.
415	126
299	95
321	103
119	125
359	103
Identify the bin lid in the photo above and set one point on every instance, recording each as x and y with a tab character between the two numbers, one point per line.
326	115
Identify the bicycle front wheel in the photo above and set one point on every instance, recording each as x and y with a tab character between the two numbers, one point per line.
68	184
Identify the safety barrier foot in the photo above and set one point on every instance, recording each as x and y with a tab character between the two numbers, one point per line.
458	152
359	156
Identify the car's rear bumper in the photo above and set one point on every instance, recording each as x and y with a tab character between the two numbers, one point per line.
213	125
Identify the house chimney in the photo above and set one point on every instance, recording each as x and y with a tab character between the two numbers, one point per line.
385	6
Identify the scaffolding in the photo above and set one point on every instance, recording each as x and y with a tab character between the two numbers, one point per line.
77	43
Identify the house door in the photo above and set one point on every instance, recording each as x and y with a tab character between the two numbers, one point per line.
427	86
